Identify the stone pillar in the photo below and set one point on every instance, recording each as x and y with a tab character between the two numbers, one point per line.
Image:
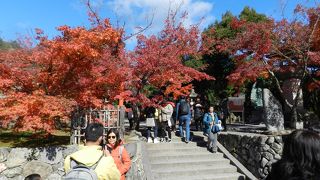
273	115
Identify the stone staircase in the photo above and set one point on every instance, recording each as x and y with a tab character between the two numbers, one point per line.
177	160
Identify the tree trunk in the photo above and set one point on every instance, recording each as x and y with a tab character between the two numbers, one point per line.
292	96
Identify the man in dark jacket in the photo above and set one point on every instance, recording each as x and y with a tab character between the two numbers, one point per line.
184	116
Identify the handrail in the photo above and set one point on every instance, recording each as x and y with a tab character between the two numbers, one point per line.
235	162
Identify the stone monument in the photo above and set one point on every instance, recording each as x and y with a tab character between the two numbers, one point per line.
273	115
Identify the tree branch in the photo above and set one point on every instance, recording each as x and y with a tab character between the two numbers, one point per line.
140	31
278	85
93	12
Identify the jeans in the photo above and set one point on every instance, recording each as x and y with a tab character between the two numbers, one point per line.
155	129
163	128
185	119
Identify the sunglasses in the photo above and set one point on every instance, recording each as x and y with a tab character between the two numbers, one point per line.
113	137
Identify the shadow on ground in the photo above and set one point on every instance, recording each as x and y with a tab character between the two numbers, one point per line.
29	139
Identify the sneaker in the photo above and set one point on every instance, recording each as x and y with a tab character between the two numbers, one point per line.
168	140
149	140
155	141
213	150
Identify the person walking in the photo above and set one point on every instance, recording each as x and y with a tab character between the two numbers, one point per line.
151	123
212	127
184	116
198	115
118	152
166	114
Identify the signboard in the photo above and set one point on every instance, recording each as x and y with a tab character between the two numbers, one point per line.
236	104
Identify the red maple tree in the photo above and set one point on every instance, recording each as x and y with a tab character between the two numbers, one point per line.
84	66
41	85
274	49
158	62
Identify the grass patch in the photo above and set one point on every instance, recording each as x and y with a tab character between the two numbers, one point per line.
10	138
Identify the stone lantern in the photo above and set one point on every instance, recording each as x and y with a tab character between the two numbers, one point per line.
192	96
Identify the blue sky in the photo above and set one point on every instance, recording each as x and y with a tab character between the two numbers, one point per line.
20	17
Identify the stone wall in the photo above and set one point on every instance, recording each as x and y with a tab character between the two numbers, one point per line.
256	152
17	163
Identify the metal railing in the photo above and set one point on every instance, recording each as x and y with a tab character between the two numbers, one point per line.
111	118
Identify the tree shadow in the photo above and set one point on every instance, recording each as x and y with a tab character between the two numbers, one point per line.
32	140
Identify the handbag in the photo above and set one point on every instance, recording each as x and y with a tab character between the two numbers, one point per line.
217	127
150	122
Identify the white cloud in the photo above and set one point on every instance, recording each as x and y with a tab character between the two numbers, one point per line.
139	12
23	25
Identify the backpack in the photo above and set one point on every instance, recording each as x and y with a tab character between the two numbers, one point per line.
184	108
82	172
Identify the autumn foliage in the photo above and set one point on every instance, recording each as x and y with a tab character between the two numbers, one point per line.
41	85
274	49
261	49
158	62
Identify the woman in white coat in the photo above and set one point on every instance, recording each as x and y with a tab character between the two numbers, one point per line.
166	114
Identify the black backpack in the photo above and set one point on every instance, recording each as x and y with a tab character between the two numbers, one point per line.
184	108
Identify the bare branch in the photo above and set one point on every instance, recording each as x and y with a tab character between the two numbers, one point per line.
93	12
283	4
278	85
140	31
281	53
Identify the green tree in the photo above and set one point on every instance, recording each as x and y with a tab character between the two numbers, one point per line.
4	45
249	14
220	64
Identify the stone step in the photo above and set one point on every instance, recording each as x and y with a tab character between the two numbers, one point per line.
180	151
192	161
192	157
190	169
198	176
194	135
187	162
173	145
